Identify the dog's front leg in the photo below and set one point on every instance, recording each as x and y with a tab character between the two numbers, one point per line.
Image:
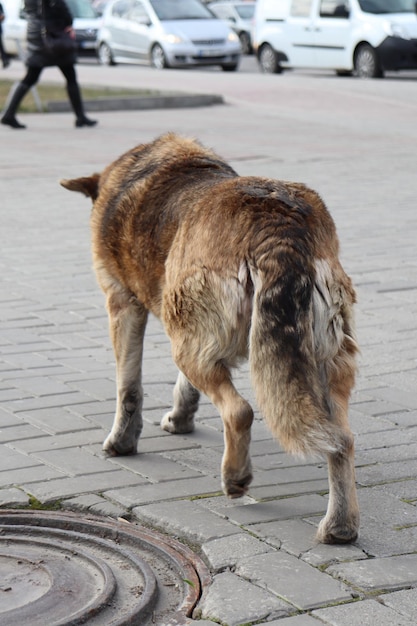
127	319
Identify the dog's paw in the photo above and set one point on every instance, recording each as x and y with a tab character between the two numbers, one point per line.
176	425
331	533
113	447
236	488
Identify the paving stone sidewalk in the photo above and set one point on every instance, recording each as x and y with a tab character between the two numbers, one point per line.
57	382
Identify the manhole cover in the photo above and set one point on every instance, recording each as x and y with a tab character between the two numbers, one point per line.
61	569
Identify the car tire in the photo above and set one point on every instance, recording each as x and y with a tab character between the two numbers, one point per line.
105	55
366	62
230	67
245	44
268	60
158	58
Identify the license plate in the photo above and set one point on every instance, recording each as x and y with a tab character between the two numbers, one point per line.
210	53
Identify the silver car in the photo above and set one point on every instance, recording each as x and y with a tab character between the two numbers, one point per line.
239	16
166	33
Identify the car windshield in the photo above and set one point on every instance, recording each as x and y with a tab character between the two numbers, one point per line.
181	10
387	6
81	8
245	11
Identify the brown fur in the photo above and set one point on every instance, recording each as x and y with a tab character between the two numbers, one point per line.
234	267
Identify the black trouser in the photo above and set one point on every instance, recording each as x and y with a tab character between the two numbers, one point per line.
33	73
32	77
3	54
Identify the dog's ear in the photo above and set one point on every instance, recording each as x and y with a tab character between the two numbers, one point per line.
88	185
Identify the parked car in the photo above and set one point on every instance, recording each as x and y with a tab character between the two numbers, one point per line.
364	37
166	33
86	24
239	16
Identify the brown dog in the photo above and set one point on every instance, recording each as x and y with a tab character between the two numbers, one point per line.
232	266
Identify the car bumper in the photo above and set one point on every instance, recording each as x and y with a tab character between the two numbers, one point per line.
398	54
202	55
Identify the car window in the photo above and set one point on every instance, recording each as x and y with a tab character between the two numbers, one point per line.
138	13
245	11
301	8
121	8
387	6
222	12
334	8
180	10
81	8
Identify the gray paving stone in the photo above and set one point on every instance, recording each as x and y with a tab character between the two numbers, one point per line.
28	475
299	506
274	491
366	613
154	467
74	461
224	602
58	442
387	573
10	459
19	432
226	552
404	602
305	587
185	519
296	620
51	490
13	497
169	490
386	472
55	421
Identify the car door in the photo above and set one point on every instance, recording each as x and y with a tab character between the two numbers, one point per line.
116	26
332	28
137	32
299	28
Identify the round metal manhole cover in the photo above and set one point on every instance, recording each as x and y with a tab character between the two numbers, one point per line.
61	569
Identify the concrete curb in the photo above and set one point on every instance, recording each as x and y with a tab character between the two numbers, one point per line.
163	101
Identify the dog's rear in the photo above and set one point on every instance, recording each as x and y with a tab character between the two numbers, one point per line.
225	261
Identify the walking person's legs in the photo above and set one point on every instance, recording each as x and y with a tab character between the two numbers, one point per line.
18	92
74	95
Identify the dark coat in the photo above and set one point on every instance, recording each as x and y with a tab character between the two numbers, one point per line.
1	13
58	17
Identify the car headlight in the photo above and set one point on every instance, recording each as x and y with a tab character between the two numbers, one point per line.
171	38
396	30
232	37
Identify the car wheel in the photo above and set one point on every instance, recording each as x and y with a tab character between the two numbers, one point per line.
268	60
366	62
230	67
105	56
245	43
158	58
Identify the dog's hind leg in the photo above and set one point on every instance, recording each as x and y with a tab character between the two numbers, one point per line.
127	319
237	417
181	418
341	523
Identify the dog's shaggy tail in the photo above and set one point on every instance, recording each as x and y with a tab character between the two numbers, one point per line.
297	337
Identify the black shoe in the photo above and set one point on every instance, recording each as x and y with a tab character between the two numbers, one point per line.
6	63
12	122
84	121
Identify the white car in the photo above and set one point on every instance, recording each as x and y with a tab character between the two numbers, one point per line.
363	37
166	33
86	24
